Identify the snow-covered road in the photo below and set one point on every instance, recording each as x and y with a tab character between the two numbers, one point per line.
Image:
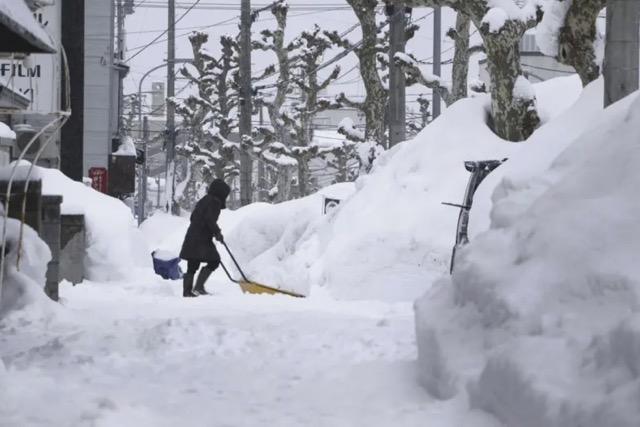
138	354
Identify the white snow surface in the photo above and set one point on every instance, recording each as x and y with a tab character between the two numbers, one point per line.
539	324
537	327
523	89
548	29
391	237
136	353
24	279
348	127
6	132
495	18
126	148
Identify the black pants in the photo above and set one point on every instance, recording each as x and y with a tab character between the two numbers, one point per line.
193	266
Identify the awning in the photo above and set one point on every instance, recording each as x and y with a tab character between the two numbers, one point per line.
12	100
19	30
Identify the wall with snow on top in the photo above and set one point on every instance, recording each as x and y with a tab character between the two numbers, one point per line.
115	249
539	325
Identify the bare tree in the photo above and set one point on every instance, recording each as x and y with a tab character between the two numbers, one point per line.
312	46
375	102
273	40
208	118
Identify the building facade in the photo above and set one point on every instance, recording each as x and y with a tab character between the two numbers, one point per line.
88	34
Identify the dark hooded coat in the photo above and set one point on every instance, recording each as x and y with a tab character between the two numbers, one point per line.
198	242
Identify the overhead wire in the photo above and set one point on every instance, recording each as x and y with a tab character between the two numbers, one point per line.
195	3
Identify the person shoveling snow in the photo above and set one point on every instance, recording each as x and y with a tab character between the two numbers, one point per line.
198	244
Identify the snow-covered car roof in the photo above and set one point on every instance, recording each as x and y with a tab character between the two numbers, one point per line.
20	31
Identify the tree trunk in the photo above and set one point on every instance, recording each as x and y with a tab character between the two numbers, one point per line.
577	37
375	103
514	118
460	70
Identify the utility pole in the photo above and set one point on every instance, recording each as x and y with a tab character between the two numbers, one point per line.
397	84
437	56
246	166
170	182
621	50
120	57
142	188
261	169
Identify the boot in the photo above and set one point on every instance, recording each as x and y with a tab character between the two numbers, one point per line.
187	286
204	274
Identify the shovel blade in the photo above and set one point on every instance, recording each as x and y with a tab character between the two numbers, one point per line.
256	288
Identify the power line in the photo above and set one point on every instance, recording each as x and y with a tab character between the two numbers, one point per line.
164	32
227	6
217	24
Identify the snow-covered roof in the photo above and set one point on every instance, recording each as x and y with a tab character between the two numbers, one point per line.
20	31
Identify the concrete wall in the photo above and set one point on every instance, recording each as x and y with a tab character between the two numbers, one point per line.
100	84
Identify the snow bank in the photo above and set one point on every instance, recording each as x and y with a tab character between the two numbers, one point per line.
391	237
23	286
539	325
114	246
126	148
6	132
542	147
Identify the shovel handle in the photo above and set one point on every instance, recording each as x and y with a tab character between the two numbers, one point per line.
234	261
224	267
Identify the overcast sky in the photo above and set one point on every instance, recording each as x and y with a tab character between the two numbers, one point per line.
220	17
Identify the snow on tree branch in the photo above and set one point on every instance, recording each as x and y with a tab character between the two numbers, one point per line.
348	129
415	75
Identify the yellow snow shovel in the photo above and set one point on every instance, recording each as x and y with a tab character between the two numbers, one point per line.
250	287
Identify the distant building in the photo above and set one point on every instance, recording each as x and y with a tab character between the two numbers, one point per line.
536	66
157	99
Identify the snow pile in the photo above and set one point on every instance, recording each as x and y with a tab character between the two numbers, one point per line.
548	29
126	148
539	325
541	148
501	11
114	246
164	233
393	237
347	127
24	285
6	132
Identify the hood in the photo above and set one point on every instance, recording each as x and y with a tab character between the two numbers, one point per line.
220	190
